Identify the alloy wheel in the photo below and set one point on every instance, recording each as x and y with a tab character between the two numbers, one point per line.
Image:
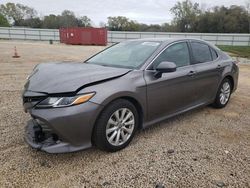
120	126
225	93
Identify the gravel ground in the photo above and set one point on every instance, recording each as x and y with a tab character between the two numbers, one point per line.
202	148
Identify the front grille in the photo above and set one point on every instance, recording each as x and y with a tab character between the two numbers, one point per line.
33	99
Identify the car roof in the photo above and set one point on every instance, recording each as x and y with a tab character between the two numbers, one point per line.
155	39
163	39
167	41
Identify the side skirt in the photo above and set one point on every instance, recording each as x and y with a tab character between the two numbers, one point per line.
158	120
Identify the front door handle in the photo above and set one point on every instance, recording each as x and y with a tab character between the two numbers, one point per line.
219	66
191	73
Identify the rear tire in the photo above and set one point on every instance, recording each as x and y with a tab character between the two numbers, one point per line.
116	126
223	94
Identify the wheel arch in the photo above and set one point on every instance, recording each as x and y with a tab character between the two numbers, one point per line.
231	79
131	99
138	108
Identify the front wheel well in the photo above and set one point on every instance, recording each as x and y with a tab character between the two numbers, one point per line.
138	108
230	78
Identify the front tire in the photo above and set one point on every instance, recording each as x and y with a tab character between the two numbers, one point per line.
116	126
223	94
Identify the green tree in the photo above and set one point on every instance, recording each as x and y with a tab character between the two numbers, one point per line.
236	20
84	21
31	22
185	13
51	22
143	27
224	20
154	28
166	27
3	21
133	26
68	19
248	12
119	23
17	12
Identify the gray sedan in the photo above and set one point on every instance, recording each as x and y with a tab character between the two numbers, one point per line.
126	87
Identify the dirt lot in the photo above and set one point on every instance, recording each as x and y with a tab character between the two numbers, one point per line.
202	148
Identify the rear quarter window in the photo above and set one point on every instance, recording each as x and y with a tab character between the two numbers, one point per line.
214	54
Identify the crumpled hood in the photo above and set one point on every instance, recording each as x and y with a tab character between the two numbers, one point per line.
55	78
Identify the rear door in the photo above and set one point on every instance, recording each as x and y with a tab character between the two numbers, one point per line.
208	71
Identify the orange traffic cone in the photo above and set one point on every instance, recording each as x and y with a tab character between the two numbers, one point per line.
15	53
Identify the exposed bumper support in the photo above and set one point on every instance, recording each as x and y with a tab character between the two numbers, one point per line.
48	145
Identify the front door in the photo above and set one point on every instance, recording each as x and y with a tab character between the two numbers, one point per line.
174	91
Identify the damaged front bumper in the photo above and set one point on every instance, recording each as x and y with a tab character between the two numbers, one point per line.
62	130
46	141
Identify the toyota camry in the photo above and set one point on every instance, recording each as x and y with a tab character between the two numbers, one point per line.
126	87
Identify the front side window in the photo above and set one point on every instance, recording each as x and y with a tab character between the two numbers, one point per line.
176	53
201	52
131	54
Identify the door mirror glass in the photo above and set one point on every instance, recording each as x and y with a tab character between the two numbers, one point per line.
165	67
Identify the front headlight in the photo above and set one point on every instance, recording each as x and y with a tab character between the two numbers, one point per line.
55	102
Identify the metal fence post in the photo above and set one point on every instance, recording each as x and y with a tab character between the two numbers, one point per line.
9	33
217	36
111	37
40	37
54	35
24	31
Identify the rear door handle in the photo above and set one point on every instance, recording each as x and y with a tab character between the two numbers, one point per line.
191	73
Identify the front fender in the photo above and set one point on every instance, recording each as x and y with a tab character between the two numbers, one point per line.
131	85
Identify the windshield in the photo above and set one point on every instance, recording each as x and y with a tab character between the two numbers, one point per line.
130	54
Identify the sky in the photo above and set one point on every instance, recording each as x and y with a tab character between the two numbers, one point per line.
144	11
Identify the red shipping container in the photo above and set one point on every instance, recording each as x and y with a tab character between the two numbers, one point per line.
85	36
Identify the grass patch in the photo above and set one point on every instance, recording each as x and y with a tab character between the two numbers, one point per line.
241	51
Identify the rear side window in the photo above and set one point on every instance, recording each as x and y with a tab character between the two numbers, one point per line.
201	52
214	54
177	53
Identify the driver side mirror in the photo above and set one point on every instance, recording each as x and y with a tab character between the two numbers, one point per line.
165	67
